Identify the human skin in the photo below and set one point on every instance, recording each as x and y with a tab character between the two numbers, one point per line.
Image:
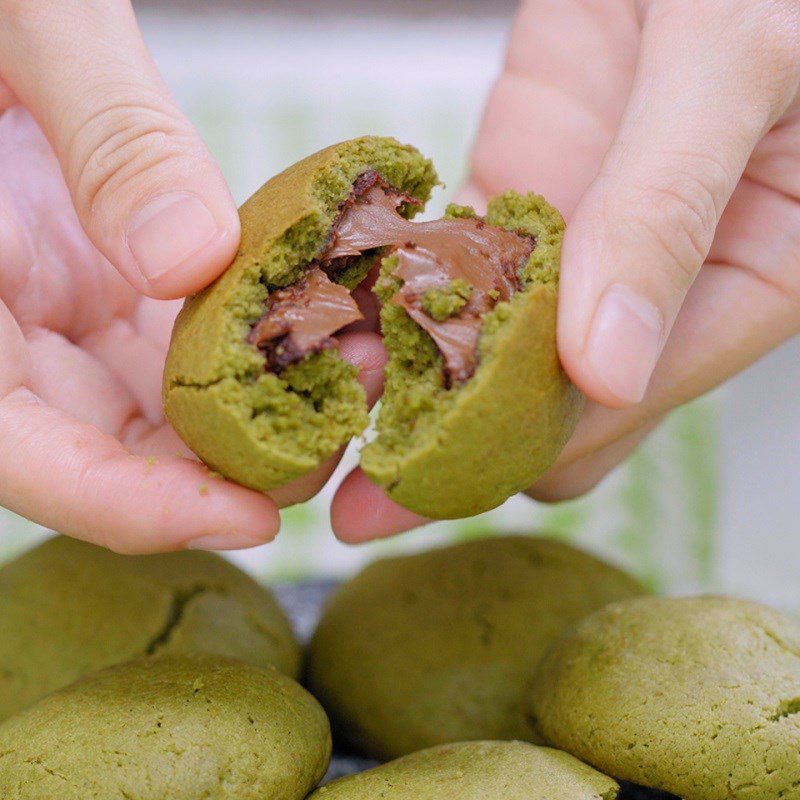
85	258
668	134
642	122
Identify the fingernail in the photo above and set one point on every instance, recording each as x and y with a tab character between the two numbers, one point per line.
168	231
625	342
223	541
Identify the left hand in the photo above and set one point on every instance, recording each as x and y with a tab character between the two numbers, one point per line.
85	447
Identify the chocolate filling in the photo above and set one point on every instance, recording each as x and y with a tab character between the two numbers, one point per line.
302	319
464	260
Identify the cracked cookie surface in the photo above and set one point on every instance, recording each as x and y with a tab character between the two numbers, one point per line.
67	608
446	641
699	697
176	727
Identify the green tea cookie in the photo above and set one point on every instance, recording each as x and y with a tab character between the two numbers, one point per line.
476	771
476	403
697	696
176	727
441	646
68	608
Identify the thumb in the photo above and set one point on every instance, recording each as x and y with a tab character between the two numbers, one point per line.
146	190
713	76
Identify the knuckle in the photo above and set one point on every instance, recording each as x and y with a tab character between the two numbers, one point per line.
122	143
678	216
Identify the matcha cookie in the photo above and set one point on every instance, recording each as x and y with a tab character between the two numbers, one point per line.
441	646
476	403
68	608
695	696
476	771
174	727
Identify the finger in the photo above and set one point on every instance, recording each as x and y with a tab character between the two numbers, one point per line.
362	511
580	477
16	253
739	318
551	115
366	352
145	188
368	304
15	361
705	92
134	361
155	319
72	477
70	379
7	97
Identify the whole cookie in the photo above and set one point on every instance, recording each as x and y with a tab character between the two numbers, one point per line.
441	646
476	771
175	727
68	608
695	696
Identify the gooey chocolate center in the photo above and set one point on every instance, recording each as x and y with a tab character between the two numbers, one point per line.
475	264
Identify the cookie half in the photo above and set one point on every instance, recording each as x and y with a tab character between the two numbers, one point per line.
254	402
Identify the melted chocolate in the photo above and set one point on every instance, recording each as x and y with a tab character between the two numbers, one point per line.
430	256
303	317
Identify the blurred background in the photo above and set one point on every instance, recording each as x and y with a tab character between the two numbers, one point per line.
710	503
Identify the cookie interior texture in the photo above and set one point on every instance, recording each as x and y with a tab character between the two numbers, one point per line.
256	426
476	771
264	402
68	608
175	727
442	646
695	696
457	450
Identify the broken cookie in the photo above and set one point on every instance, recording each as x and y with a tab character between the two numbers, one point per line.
476	404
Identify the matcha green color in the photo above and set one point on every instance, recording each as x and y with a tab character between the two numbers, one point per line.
441	304
255	427
441	646
454	452
476	771
443	452
174	728
699	697
68	608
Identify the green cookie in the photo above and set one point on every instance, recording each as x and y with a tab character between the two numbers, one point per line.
263	409
448	452
476	771
68	608
256	427
697	696
441	646
175	727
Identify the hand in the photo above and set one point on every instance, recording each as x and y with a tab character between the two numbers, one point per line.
138	210
668	133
